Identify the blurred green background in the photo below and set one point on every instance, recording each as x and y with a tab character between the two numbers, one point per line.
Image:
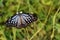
47	27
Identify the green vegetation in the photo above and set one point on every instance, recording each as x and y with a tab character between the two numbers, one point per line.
47	27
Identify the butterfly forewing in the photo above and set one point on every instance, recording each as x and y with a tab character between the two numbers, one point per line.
13	20
27	18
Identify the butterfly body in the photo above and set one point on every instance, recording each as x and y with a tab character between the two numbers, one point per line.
21	20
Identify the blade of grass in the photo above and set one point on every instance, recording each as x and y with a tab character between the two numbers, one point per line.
14	33
18	4
54	18
3	36
42	25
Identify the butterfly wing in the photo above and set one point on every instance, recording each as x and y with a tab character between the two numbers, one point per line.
26	17
13	21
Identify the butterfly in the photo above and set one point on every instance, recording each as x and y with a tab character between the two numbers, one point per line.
21	20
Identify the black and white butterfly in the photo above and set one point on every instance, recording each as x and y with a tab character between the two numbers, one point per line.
21	20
